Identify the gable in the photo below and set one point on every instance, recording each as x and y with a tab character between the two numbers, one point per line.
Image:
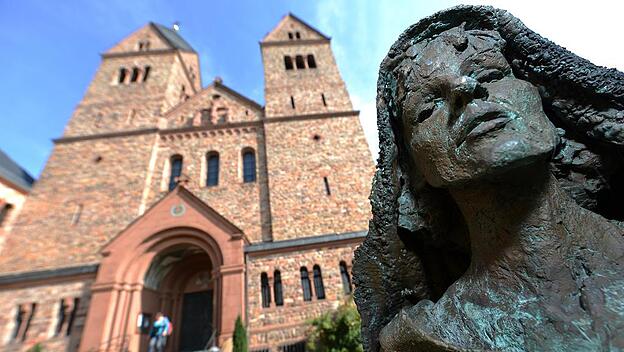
144	34
155	36
178	209
293	28
215	104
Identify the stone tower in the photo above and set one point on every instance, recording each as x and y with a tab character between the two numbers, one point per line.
317	155
139	78
167	195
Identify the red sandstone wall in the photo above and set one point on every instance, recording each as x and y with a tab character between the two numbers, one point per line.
304	85
237	201
109	191
297	164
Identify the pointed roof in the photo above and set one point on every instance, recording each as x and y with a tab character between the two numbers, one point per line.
172	37
15	174
274	34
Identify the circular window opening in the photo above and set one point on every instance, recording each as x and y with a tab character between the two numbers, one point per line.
316	137
97	159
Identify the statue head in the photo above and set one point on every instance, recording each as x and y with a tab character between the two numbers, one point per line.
463	114
466	95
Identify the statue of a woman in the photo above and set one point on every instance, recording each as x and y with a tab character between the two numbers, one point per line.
496	203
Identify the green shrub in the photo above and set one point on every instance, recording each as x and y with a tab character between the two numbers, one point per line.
240	336
36	348
337	331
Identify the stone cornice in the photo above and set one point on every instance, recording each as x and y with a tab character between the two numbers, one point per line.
295	42
47	274
191	129
264	248
322	115
104	135
139	53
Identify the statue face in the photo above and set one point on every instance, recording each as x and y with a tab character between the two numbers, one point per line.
465	116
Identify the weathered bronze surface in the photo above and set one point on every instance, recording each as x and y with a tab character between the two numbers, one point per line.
498	196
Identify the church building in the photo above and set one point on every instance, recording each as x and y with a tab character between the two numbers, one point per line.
165	194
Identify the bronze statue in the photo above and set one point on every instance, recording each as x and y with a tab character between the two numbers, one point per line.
497	199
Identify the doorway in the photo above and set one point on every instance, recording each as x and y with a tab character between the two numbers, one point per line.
196	327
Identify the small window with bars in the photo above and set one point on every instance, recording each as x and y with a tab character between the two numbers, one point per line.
346	278
278	292
265	290
318	282
305	284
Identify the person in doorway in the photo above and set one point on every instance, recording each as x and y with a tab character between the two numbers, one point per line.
159	333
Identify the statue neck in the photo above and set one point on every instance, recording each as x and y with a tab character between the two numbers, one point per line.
514	221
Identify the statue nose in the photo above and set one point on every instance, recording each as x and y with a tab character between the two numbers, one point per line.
463	90
464	87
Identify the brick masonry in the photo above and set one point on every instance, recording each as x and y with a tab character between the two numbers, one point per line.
45	320
288	322
112	165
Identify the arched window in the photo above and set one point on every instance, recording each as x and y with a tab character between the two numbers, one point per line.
176	171
346	279
299	62
146	73
298	35
311	61
265	289
318	282
305	284
123	73
288	62
249	166
212	171
135	74
277	288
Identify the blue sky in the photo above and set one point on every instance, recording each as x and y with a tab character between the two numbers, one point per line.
50	49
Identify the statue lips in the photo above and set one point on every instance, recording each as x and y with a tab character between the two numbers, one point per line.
480	118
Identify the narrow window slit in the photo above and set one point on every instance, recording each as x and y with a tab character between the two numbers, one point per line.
327	189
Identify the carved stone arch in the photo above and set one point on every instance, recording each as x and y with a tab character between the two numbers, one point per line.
179	222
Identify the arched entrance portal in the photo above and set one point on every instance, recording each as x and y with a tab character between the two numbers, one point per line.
180	283
181	258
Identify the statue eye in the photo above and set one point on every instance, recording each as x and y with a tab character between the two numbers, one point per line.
425	114
429	109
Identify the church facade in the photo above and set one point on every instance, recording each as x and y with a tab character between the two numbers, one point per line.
167	195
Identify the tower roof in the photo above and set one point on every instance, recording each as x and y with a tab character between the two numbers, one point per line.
291	21
162	38
172	37
13	173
